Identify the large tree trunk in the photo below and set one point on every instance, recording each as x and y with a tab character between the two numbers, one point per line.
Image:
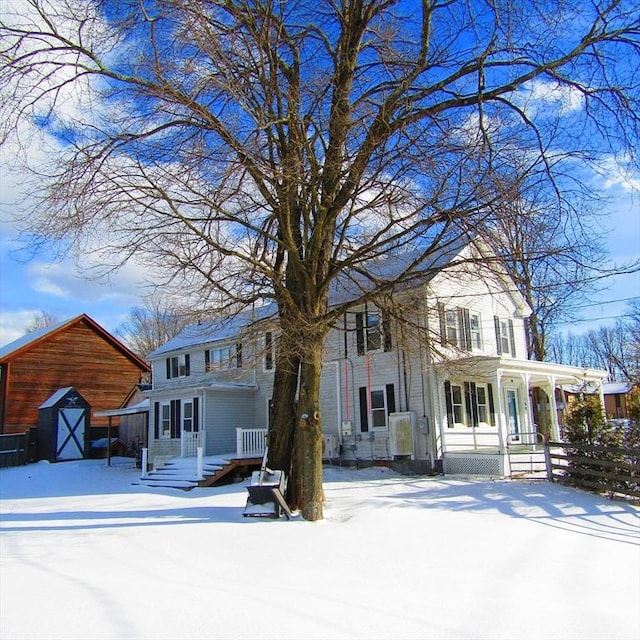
306	491
283	409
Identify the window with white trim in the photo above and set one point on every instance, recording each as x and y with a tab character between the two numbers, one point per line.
178	366
372	332
226	357
375	406
165	420
505	336
469	404
187	415
460	328
475	329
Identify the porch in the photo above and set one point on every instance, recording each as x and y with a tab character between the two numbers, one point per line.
192	468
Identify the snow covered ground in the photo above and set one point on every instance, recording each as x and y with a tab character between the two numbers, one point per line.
85	553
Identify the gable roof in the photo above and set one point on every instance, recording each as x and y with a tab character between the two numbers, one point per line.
345	288
12	350
222	328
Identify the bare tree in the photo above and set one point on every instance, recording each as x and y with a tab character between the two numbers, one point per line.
614	348
265	149
153	324
41	320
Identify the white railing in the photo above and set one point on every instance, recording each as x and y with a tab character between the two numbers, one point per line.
250	442
190	442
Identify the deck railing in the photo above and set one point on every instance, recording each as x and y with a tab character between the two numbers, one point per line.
250	442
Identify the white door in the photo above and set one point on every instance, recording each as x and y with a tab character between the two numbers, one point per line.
70	443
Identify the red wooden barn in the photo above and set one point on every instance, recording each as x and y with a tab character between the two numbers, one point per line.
76	353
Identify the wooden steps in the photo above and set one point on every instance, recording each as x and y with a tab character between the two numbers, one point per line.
182	473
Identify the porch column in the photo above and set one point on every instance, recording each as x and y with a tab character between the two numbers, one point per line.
601	396
500	417
528	413
555	425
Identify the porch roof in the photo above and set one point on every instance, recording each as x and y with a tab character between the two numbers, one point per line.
537	372
205	386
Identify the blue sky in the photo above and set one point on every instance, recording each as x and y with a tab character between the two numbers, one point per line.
30	283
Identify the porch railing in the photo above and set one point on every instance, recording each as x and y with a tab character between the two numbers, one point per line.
250	442
191	441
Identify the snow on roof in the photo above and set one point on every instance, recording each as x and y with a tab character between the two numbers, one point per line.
55	397
223	328
346	287
139	407
616	387
30	337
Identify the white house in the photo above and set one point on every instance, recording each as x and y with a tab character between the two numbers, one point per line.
451	386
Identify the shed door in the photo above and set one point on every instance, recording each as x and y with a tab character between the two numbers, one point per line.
70	442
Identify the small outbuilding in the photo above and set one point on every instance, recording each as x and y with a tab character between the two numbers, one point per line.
63	426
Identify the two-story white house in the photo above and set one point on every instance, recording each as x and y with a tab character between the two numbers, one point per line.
450	386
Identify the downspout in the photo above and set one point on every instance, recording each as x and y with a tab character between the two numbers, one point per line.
4	386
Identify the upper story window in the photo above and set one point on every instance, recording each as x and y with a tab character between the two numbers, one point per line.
460	328
505	337
227	357
372	332
178	366
475	328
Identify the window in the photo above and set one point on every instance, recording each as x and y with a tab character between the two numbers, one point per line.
171	418
375	407
475	330
469	404
505	339
269	351
372	332
451	326
187	416
178	366
165	420
227	357
482	404
457	327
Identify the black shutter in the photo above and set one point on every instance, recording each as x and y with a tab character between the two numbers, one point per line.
492	410
187	366
443	324
156	420
175	419
207	359
386	331
196	415
496	324
364	409
512	338
239	355
447	398
471	402
464	322
168	368
360	333
468	403
391	399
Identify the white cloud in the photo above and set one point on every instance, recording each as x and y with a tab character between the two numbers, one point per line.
13	324
542	97
617	172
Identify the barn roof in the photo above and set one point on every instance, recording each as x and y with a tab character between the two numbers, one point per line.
10	351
